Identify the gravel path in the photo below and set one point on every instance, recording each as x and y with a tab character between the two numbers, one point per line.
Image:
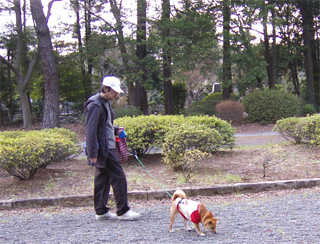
293	218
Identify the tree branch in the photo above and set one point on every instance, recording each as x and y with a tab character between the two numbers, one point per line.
30	69
10	65
49	8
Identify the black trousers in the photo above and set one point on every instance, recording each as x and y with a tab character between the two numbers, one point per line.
113	175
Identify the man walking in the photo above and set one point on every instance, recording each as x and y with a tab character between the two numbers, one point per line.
100	140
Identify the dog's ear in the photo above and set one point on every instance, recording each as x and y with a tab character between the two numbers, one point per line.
216	219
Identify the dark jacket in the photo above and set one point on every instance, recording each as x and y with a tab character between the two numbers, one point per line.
95	120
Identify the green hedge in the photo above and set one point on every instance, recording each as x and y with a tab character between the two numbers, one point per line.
300	130
148	132
22	153
188	137
270	105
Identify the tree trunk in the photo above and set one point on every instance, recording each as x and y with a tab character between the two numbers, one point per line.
307	24
295	79
167	84
16	68
267	52
141	94
49	66
226	66
87	78
272	83
122	46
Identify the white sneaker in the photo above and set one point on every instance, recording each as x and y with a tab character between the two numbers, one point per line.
106	216
129	215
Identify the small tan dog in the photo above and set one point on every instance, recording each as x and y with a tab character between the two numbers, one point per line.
192	211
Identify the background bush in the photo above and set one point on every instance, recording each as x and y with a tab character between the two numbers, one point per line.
208	104
231	111
179	96
123	112
271	105
22	153
308	109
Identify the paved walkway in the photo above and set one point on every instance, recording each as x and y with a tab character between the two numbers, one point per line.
290	219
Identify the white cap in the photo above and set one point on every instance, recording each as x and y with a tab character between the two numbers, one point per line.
112	82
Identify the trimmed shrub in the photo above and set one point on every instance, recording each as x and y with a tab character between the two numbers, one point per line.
189	137
22	153
148	132
191	161
217	96
310	127
225	130
230	111
300	130
288	128
271	105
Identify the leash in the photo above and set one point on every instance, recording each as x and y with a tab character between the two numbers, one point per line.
123	135
135	155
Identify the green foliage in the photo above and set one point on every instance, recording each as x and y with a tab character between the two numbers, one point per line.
279	87
289	129
310	127
225	130
179	96
300	130
189	137
144	132
199	108
270	105
190	162
270	158
216	96
308	109
123	112
70	82
208	104
22	153
193	39
148	132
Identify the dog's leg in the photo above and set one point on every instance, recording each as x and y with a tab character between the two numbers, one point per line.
198	230
173	215
188	228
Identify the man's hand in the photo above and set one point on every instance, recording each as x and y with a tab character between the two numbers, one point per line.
93	160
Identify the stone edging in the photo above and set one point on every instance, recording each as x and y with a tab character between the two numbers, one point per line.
87	200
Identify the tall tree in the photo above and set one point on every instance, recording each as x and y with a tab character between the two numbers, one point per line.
167	84
116	11
86	74
141	52
308	35
49	66
226	63
270	56
23	79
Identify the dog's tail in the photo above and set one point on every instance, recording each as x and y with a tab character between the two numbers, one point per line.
179	193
